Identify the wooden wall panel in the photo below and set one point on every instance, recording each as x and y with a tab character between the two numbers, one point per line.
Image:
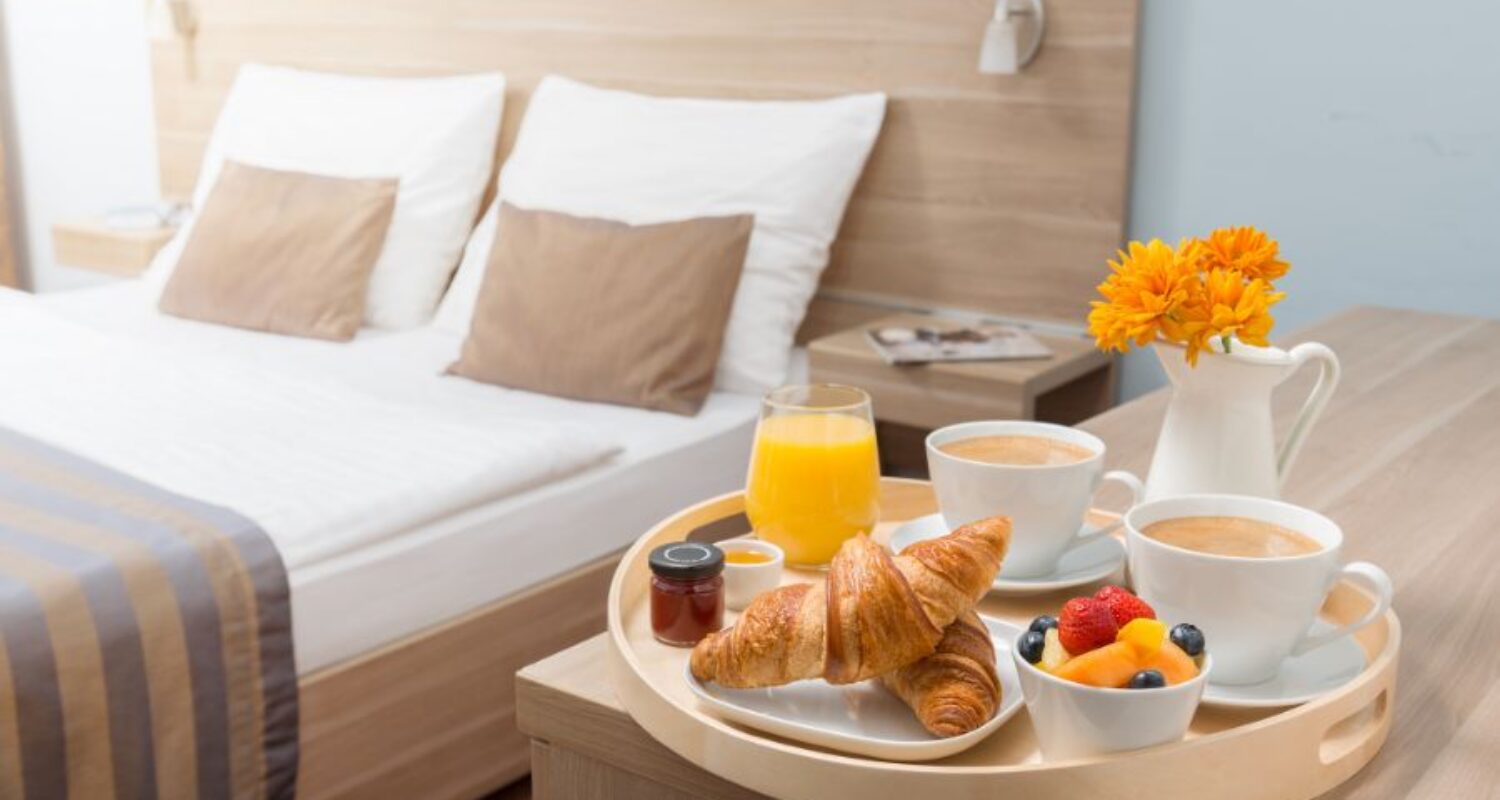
992	193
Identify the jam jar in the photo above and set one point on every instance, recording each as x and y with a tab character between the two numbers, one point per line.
687	592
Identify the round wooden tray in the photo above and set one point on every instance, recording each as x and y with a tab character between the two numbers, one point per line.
1291	753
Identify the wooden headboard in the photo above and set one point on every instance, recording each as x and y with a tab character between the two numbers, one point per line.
991	193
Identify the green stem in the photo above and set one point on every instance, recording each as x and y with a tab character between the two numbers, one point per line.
1225	340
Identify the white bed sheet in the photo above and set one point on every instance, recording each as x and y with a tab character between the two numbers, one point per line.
351	601
323	467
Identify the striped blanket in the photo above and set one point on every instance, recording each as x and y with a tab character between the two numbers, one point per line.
147	643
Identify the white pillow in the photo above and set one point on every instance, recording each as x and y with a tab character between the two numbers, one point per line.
457	308
639	159
436	135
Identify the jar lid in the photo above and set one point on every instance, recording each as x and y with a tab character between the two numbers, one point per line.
687	561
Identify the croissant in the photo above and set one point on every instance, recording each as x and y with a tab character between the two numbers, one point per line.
875	613
956	689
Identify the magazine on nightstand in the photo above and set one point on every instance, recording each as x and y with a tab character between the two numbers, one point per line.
924	345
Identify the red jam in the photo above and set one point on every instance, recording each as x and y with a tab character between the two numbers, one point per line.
687	592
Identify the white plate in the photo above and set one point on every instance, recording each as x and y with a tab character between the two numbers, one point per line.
862	718
1081	566
1302	678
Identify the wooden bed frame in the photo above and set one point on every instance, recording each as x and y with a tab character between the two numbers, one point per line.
433	715
992	194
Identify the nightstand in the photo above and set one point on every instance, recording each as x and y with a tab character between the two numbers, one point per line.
1076	383
90	244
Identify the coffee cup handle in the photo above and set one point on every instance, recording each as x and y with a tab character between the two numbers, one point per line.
1137	491
1373	579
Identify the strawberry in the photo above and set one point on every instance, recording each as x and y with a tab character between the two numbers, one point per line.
1124	605
1085	623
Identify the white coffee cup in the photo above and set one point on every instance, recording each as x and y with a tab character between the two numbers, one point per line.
1046	503
1254	612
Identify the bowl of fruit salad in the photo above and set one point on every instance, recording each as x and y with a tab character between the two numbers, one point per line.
1105	676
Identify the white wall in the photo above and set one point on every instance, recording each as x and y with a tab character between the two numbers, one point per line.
1364	134
79	78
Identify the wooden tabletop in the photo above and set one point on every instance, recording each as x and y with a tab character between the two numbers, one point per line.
1406	458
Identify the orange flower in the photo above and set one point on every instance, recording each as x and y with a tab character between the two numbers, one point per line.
1142	295
1204	290
1229	306
1246	250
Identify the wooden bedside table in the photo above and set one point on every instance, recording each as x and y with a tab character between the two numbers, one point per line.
90	244
1076	383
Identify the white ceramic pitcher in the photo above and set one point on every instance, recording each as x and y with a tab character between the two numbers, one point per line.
1218	437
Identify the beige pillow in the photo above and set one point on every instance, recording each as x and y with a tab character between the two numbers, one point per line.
598	310
285	252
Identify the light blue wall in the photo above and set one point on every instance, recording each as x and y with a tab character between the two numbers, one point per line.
1363	134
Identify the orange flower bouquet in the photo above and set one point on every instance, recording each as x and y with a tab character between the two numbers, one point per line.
1215	290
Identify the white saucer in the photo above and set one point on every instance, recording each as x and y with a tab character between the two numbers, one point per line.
1301	678
1092	562
861	718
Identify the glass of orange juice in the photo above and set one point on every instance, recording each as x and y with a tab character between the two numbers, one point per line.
815	474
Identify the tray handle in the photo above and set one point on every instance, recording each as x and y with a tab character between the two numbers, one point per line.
1348	737
727	527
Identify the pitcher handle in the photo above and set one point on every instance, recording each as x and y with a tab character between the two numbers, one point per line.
1328	379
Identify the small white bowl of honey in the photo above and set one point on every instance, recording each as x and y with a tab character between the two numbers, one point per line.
751	566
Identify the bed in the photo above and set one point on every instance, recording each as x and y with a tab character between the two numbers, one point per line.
353	595
432	615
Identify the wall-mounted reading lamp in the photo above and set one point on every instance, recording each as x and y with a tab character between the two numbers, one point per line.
170	19
174	20
1012	37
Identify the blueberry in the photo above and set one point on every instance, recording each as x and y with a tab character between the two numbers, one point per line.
1147	679
1189	638
1042	623
1031	645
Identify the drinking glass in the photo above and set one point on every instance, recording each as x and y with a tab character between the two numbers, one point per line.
815	473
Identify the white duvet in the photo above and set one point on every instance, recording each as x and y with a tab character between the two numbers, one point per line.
318	465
